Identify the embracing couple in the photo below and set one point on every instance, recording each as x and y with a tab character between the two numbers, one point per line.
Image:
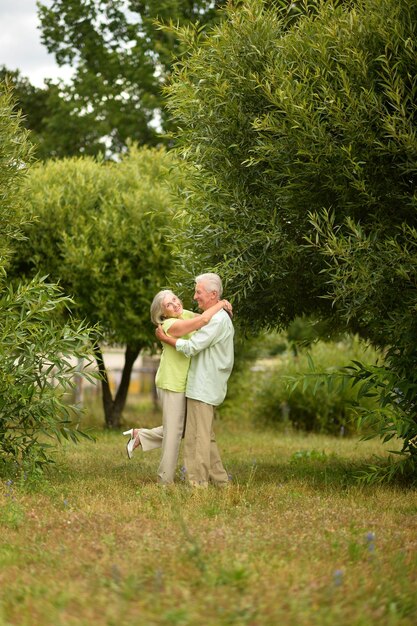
191	380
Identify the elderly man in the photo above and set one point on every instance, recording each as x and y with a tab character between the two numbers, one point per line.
211	349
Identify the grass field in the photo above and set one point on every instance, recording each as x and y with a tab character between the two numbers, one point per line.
293	540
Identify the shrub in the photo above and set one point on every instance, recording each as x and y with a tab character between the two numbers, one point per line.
294	391
36	369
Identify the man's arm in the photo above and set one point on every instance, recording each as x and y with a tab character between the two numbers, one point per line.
201	339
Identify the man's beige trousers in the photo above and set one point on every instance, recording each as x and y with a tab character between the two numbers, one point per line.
201	456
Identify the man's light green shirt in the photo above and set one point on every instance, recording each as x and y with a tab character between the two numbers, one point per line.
173	368
211	349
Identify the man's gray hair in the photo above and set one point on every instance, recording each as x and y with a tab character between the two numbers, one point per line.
157	314
213	282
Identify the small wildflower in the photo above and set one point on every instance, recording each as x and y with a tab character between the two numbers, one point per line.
9	492
370	540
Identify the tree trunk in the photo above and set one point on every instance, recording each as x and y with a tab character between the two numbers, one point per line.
113	407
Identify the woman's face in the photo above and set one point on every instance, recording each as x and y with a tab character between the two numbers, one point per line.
171	306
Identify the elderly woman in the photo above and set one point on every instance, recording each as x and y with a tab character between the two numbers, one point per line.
170	381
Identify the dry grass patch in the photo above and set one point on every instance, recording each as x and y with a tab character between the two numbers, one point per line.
294	540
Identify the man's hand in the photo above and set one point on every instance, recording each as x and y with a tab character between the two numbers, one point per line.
228	307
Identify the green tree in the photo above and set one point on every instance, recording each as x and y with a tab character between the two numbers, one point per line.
30	100
121	58
57	127
101	231
35	347
303	142
15	151
217	97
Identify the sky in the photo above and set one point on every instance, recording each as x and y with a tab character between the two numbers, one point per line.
20	43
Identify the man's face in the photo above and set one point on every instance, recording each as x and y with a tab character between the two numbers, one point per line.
204	298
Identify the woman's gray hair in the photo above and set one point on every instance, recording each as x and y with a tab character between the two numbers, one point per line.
157	315
214	282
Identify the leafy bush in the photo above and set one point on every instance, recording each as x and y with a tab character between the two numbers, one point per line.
295	391
37	368
392	417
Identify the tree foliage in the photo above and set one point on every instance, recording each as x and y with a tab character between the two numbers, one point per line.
280	123
302	136
58	126
101	231
15	153
235	210
120	57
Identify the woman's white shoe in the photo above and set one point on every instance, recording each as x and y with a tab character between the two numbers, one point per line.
131	444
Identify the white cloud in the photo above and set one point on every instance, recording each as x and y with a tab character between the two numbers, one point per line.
20	43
